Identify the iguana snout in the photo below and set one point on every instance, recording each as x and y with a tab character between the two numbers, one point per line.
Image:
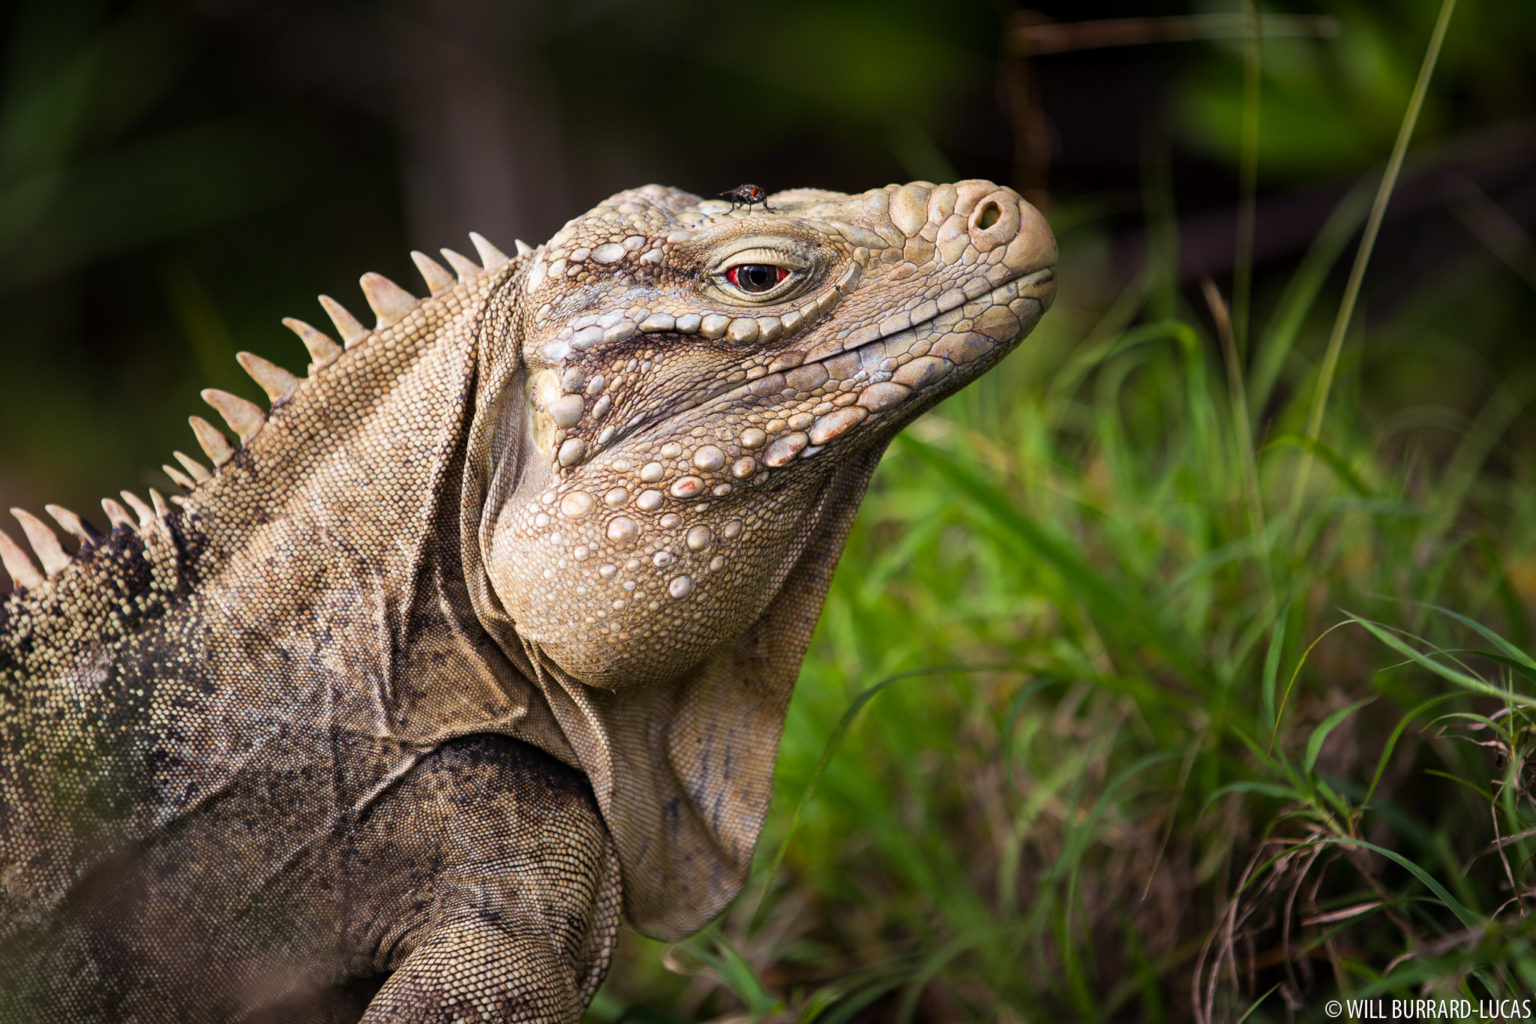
696	375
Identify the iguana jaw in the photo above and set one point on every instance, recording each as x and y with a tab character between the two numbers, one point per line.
682	437
895	376
923	370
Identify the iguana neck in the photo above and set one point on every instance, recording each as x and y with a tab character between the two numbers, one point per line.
355	463
304	610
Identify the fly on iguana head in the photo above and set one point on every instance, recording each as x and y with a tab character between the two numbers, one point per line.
748	196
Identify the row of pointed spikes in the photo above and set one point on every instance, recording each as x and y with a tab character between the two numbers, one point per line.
389	302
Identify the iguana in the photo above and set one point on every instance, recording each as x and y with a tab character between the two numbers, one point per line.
483	636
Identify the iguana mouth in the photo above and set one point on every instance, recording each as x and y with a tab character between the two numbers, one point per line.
993	297
975	346
992	294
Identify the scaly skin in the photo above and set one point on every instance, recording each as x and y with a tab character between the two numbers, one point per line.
487	628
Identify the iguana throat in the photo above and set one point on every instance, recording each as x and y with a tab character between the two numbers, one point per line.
697	374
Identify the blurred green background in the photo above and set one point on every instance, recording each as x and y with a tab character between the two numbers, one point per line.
1144	794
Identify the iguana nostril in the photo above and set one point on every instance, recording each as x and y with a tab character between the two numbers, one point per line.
995	220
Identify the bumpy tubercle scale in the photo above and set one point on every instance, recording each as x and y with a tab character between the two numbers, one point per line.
683	423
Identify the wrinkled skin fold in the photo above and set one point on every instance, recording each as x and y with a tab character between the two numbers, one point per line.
483	637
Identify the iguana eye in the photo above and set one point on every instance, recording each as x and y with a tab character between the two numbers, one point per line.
755	278
760	271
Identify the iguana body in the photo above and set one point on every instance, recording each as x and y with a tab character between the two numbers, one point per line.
493	619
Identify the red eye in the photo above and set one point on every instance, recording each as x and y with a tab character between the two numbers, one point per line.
755	277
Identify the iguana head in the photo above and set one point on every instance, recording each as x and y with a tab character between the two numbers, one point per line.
696	376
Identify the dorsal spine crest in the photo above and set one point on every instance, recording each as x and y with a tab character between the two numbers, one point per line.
390	304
